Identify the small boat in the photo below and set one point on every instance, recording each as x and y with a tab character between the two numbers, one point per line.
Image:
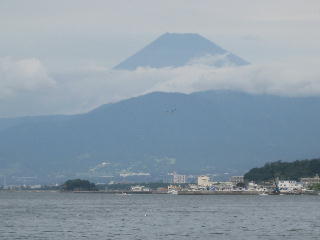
173	191
123	194
263	194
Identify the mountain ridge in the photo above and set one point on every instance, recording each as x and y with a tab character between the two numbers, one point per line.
203	132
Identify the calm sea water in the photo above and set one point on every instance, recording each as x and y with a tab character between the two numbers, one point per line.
102	216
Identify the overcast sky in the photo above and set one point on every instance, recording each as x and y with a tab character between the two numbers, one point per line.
48	47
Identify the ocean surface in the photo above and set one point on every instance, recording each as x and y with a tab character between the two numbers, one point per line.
63	216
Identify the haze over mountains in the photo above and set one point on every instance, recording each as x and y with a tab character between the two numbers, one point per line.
204	132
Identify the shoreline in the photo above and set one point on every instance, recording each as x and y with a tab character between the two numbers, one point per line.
128	192
196	192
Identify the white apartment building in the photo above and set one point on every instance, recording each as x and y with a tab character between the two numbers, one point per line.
237	179
204	181
178	178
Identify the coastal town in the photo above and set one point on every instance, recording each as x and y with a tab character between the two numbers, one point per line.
180	184
236	185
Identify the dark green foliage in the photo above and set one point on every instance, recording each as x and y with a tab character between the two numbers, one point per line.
241	185
315	187
284	170
78	185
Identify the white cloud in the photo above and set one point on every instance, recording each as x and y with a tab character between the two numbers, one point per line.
85	89
290	79
22	75
300	78
221	60
106	33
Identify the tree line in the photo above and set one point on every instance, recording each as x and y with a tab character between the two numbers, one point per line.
78	185
284	170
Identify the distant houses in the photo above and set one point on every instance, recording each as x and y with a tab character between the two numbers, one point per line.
177	178
204	181
307	182
237	179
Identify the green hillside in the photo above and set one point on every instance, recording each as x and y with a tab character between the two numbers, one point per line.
284	170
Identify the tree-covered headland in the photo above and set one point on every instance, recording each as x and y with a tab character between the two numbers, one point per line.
284	170
78	185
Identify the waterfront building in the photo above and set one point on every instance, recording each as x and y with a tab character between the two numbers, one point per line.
204	181
237	179
178	178
289	185
222	186
193	187
310	181
174	187
139	188
252	186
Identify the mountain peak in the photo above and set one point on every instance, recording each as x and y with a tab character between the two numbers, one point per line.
179	49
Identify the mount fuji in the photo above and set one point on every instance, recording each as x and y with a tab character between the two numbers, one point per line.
180	49
204	132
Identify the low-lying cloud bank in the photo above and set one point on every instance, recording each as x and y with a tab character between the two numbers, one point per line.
26	88
22	75
288	79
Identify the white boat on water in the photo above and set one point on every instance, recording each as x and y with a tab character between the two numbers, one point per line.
263	194
123	194
173	191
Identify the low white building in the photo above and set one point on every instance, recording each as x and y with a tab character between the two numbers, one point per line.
139	188
310	181
222	186
289	185
252	186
